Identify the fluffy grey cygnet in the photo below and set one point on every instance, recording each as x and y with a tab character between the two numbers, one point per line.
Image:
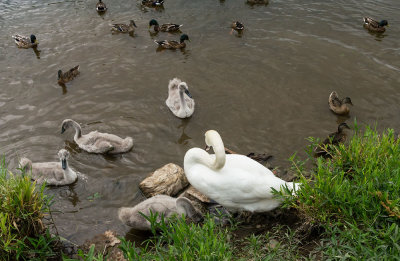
98	142
179	100
53	173
161	204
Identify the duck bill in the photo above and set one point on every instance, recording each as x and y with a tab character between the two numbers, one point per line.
64	164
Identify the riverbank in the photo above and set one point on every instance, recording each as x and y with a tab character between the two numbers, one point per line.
348	208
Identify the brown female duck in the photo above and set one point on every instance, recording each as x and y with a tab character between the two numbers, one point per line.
124	28
332	140
339	106
69	75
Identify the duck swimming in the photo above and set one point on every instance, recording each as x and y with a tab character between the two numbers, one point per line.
375	26
258	2
179	100
164	27
339	106
152	3
163	205
234	181
68	75
25	42
124	28
53	173
101	7
237	26
166	44
332	140
98	142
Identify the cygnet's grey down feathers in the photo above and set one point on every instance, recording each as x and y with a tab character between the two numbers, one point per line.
179	100
161	204
53	173
98	142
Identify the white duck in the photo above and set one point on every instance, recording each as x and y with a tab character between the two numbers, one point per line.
162	204
179	100
234	181
53	173
98	142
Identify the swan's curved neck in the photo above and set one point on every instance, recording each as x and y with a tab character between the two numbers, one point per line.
182	99
78	130
215	141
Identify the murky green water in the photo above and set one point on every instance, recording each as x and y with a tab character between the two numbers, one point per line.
264	92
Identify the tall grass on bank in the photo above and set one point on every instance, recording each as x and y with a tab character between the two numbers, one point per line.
356	195
177	240
22	207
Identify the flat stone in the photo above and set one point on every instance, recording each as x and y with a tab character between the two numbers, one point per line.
167	180
192	191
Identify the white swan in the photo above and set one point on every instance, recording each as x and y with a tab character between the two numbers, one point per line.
234	181
179	100
162	204
53	173
98	142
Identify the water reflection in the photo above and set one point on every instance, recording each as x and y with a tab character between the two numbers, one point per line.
183	139
37	52
63	87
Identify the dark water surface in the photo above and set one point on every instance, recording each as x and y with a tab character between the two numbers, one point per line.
264	92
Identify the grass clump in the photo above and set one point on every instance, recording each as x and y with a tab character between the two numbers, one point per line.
22	208
178	240
356	196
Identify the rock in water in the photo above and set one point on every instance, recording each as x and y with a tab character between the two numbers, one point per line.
167	180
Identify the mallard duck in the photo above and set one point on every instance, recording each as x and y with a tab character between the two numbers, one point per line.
53	173
375	26
164	27
69	75
101	7
161	204
259	2
173	44
234	181
332	140
124	28
179	100
152	3
339	106
25	42
98	142
237	26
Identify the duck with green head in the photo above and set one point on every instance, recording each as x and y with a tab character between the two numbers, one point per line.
164	27
166	44
375	26
25	41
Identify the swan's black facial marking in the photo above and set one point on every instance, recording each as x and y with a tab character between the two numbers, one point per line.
188	93
63	128
64	164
